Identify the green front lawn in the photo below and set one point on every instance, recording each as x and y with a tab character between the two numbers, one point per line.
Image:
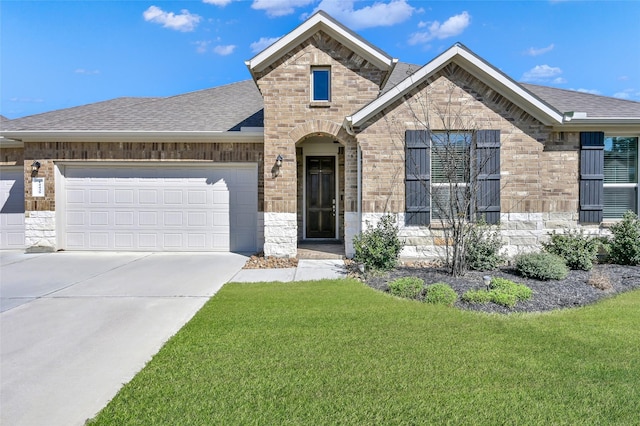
338	352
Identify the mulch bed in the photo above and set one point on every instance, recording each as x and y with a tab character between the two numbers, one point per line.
571	292
578	289
258	261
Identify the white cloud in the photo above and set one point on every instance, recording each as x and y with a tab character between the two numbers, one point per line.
224	50
86	72
263	43
378	14
185	21
452	27
542	73
220	3
589	91
533	51
629	94
623	78
279	7
27	100
559	80
202	46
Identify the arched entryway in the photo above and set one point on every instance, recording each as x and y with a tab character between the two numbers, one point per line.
320	186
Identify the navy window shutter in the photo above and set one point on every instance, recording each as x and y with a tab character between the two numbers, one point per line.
591	177
417	177
488	177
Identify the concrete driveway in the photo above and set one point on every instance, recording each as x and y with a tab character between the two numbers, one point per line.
74	327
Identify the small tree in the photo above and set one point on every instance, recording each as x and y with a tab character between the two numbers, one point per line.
462	156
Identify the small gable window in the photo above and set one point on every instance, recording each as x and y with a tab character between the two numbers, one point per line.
320	84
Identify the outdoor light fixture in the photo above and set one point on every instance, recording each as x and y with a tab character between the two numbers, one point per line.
35	167
276	169
487	281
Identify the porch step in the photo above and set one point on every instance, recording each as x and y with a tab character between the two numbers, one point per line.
320	251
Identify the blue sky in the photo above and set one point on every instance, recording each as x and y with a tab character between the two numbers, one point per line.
58	54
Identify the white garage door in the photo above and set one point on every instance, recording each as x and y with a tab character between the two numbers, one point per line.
12	208
160	208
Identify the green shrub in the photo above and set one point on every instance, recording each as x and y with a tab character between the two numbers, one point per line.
477	296
520	291
624	246
502	292
407	287
578	250
541	266
483	247
378	248
441	294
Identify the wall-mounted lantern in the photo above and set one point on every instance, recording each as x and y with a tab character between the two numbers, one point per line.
275	172
35	166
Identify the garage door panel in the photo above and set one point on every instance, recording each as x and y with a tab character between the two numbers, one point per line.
156	208
11	208
148	196
124	218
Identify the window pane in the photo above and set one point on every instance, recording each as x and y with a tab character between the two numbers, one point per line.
321	85
618	200
450	161
443	206
620	160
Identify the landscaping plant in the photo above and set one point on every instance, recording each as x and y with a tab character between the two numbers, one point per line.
441	294
501	291
483	247
379	247
407	287
624	248
577	249
541	266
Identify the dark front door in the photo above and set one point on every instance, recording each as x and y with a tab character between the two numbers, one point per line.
321	197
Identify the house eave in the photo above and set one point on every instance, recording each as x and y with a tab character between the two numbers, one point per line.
133	136
320	21
631	124
479	69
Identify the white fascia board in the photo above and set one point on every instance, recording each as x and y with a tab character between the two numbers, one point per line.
400	89
477	67
133	136
319	21
10	143
629	125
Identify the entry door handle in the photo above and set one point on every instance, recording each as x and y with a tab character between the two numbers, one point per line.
333	207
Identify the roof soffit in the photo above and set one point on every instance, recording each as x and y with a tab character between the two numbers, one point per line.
320	21
477	67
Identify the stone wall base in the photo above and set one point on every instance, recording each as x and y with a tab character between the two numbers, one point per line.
521	233
40	231
280	234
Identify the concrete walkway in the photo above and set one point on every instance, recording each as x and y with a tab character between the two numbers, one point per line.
307	270
74	327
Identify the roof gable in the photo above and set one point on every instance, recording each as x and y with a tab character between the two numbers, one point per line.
476	66
320	21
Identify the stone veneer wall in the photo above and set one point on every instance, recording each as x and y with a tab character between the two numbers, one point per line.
40	226
539	168
290	116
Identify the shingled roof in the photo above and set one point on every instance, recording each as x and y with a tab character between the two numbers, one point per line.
594	105
220	109
233	106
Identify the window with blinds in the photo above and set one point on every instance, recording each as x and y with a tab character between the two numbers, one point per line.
620	176
450	173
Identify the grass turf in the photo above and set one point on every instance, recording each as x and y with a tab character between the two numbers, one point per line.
338	352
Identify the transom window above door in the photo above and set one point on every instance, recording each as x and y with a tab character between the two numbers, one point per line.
320	84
